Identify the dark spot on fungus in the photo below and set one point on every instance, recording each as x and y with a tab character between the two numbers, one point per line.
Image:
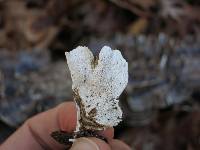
93	112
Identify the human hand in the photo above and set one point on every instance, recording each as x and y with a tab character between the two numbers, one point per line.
34	134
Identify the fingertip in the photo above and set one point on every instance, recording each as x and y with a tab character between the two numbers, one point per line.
107	133
67	116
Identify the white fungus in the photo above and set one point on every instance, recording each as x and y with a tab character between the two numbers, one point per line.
98	82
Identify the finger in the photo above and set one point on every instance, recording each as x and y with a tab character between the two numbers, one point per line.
35	133
108	133
89	144
62	117
118	145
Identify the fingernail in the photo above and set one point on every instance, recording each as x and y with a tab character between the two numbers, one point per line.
84	144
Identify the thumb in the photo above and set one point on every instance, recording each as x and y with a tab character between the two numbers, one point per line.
89	144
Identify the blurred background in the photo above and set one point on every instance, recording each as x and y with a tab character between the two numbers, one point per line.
159	38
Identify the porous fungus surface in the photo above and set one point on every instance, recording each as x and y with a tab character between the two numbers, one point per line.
97	84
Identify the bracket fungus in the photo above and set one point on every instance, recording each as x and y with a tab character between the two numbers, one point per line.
97	83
